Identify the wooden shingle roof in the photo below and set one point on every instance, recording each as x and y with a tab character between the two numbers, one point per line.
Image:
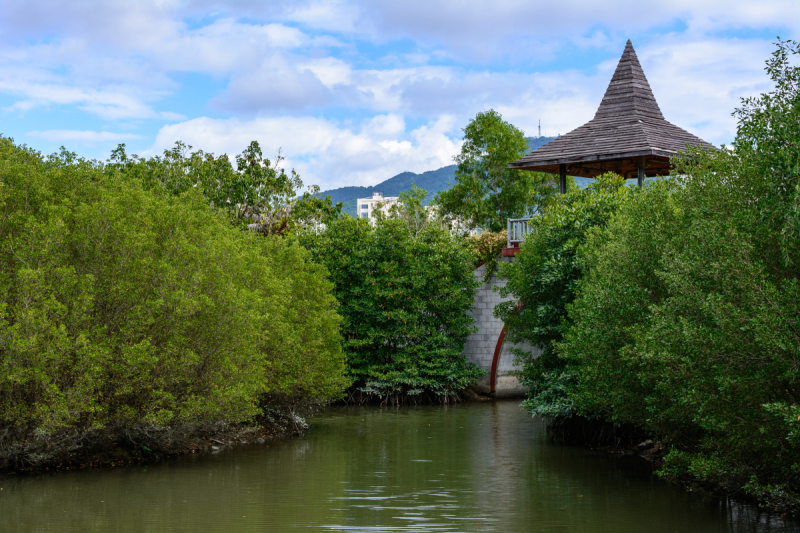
627	127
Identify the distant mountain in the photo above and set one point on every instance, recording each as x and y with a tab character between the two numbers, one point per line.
538	142
432	181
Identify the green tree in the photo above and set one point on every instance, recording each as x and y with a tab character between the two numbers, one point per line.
257	194
404	290
543	280
687	319
412	213
487	192
125	312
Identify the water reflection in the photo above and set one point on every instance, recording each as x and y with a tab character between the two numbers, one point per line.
476	467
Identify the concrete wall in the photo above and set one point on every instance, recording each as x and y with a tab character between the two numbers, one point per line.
480	346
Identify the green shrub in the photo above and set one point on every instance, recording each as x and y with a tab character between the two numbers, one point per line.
122	307
687	321
543	279
403	293
257	194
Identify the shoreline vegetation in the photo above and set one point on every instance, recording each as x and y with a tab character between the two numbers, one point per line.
132	446
404	287
675	308
147	305
151	308
131	302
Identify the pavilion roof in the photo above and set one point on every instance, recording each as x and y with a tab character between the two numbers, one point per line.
627	126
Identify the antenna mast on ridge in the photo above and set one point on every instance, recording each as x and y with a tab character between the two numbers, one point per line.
540	127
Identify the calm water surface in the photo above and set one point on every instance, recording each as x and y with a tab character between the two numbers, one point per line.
474	467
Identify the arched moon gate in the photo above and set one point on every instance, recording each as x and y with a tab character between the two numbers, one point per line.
487	347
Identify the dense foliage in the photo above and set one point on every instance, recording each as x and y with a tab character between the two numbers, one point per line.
686	320
257	194
487	193
404	288
123	307
488	246
700	278
543	280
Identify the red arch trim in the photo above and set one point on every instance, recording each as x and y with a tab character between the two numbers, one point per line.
497	350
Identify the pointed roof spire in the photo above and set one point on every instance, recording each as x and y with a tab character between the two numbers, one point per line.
629	93
628	131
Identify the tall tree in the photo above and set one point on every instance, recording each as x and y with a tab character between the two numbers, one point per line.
404	288
487	192
257	194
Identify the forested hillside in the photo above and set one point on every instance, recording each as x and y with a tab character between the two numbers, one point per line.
432	181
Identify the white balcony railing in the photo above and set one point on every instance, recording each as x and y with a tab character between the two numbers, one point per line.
517	229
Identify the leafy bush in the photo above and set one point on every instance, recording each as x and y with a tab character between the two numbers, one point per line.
404	291
257	194
543	279
487	247
122	307
687	321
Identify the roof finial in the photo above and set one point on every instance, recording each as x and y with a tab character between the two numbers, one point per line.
628	93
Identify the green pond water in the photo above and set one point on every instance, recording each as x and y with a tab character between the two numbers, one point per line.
470	467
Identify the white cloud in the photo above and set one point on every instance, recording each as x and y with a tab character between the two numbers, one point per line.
322	151
698	83
115	69
384	127
443	61
83	136
110	104
328	15
522	31
276	84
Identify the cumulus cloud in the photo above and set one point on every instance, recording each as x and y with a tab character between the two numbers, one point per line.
275	84
522	31
110	103
323	151
281	72
131	57
83	136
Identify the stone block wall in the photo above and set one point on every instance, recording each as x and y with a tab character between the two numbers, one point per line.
481	345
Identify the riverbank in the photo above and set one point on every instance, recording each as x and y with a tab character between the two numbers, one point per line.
630	440
75	450
102	452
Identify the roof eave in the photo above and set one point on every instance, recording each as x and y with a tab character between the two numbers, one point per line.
522	164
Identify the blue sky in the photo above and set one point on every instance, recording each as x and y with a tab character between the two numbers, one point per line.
353	93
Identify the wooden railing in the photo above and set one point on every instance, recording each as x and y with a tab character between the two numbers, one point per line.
517	229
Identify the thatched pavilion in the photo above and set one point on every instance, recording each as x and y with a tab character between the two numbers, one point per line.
628	134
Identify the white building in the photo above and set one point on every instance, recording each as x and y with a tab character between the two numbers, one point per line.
368	207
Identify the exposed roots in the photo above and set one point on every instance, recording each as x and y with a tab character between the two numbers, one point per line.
359	396
594	432
69	448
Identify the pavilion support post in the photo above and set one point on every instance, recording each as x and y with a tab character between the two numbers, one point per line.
562	178
640	179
